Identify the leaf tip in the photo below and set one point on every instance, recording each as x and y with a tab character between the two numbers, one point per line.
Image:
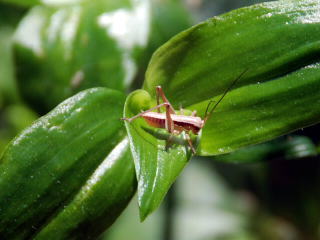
143	215
145	209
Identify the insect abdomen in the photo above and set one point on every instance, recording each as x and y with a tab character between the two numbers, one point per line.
155	122
186	127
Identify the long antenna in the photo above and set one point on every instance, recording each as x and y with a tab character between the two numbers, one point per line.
208	106
223	95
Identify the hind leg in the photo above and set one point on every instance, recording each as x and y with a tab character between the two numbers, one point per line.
190	143
160	93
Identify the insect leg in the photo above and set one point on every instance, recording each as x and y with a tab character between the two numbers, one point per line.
160	93
149	110
169	122
158	97
190	143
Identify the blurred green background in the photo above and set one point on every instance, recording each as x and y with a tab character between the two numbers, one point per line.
274	194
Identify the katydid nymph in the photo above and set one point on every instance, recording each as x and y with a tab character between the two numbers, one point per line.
175	123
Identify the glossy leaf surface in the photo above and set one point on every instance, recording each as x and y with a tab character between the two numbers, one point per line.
54	167
276	43
157	165
99	201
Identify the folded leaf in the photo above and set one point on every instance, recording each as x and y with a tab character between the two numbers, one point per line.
53	169
157	164
97	204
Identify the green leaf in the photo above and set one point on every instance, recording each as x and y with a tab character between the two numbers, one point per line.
97	204
52	171
157	166
291	147
67	48
277	43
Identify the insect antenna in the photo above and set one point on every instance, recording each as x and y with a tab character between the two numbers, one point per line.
207	115
208	106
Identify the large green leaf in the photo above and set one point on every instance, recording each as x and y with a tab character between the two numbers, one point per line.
99	201
277	43
157	165
274	45
54	176
67	48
